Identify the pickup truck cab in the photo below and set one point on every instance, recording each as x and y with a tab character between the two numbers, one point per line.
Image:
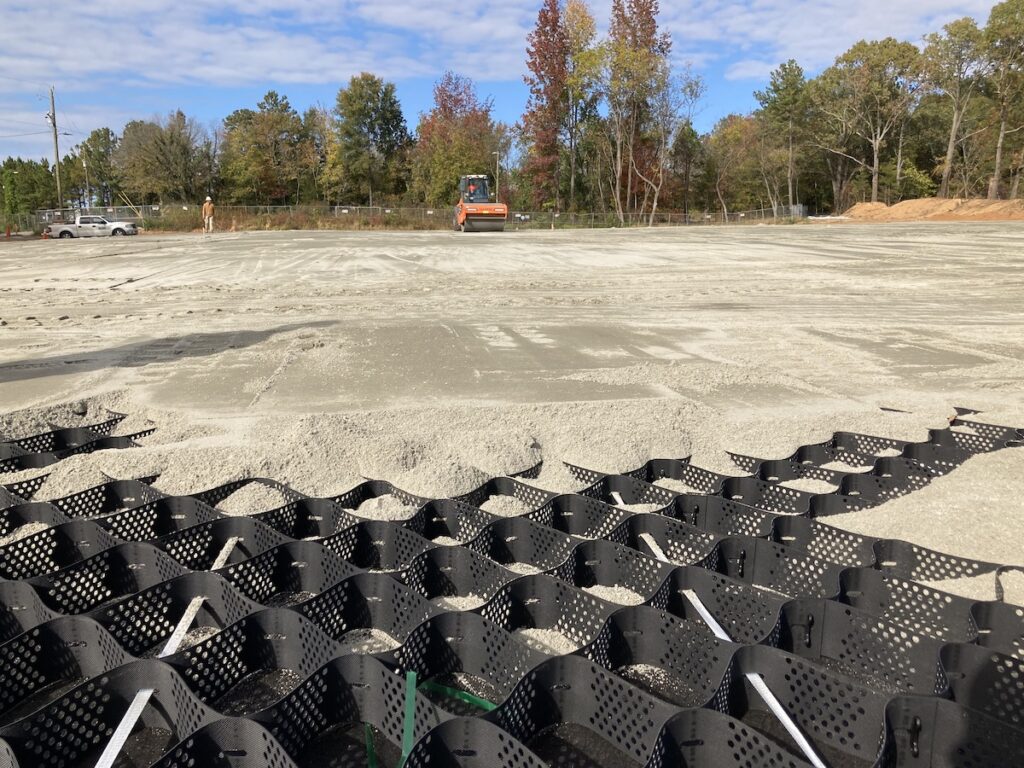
92	226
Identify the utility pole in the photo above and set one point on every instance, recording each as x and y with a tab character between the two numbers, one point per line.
497	173
88	191
52	117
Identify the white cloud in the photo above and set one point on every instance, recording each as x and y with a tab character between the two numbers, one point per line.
813	32
749	69
235	43
105	47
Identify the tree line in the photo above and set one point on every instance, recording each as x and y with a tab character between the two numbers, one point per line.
608	127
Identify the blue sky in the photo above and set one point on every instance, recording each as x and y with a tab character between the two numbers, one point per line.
113	61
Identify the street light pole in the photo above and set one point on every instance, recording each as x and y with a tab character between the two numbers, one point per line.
497	173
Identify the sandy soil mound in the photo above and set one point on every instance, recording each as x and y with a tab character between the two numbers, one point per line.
939	209
866	210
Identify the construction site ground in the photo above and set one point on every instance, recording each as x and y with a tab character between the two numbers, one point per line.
436	360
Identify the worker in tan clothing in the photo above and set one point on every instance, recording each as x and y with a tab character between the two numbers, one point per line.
208	215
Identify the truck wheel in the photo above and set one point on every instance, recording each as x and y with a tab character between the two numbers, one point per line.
118	233
65	234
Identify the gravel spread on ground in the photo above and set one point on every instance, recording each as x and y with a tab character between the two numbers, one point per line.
385	508
549	641
678	486
617	594
489	360
525	569
810	485
1013	587
459	602
367	641
251	499
982	587
505	506
641	507
971	512
446	541
23	532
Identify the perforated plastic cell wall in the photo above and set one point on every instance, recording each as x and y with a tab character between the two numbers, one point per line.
158	518
42	663
52	549
108	498
467	644
297	657
844	720
143	622
674	659
880	654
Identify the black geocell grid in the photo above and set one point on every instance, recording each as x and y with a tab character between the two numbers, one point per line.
307	633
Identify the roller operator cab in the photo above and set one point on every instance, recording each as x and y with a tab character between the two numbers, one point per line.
475	212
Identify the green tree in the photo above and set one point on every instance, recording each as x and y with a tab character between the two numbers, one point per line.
581	76
167	159
96	156
954	66
785	104
633	69
685	157
262	152
26	186
871	89
1004	46
731	164
318	139
135	161
831	128
372	139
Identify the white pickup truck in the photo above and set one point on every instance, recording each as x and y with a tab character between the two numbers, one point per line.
91	226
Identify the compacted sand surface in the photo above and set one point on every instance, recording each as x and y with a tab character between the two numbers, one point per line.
436	361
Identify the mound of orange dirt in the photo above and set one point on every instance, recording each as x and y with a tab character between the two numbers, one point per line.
866	210
940	209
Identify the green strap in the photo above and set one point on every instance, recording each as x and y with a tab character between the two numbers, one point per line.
371	753
455	693
409	726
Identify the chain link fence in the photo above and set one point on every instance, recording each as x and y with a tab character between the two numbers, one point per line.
179	217
15	223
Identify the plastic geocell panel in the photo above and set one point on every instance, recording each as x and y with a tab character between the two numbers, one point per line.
328	640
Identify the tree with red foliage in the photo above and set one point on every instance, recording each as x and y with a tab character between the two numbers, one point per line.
547	59
456	137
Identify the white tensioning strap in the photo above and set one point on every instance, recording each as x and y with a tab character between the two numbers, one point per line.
179	631
124	729
225	553
760	686
754	679
652	545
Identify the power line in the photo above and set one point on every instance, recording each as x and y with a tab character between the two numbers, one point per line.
4	120
65	120
19	135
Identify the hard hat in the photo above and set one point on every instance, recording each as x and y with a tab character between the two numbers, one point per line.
209	199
